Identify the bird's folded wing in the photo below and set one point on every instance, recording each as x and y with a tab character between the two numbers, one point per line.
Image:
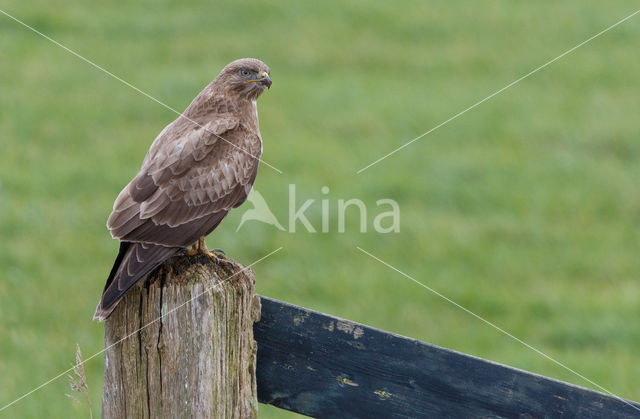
199	175
134	261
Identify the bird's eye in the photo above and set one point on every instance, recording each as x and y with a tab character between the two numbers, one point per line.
244	72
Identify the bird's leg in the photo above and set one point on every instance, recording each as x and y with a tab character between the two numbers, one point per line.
200	247
197	247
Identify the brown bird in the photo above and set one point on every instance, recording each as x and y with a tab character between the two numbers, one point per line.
199	167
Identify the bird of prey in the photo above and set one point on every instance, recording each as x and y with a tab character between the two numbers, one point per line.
199	167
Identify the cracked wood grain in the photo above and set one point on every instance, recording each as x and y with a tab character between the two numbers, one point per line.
197	361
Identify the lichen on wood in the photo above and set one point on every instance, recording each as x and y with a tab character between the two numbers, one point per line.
189	349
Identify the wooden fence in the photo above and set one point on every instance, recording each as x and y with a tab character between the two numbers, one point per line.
182	345
323	366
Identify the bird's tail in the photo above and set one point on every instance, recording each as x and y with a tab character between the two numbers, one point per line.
134	261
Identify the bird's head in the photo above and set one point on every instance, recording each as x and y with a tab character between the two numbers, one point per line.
247	77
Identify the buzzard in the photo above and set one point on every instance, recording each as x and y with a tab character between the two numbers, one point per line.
199	167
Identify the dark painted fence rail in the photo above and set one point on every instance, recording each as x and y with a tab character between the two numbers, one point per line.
326	367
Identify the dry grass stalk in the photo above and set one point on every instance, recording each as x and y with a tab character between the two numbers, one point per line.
78	381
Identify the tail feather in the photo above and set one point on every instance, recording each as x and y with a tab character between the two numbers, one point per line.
134	262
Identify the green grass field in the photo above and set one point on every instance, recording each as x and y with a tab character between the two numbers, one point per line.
525	210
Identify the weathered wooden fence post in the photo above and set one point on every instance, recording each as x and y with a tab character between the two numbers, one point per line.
199	359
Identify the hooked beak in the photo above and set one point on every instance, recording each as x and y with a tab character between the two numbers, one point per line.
264	79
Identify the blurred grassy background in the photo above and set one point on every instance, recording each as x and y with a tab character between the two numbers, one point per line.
526	210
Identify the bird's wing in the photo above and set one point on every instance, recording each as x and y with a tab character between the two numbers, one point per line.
185	188
134	261
188	186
